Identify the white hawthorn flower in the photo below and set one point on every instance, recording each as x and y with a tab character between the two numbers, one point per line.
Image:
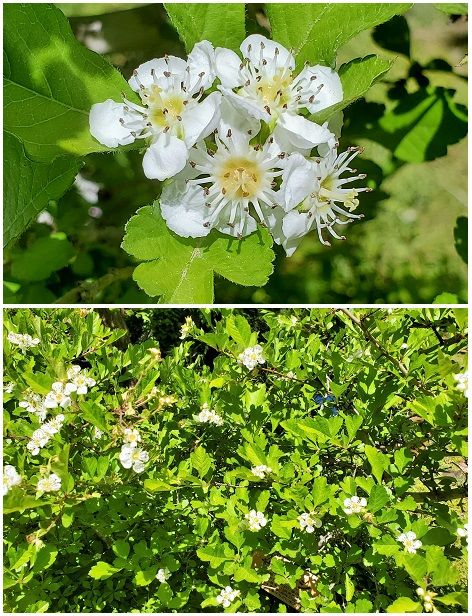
172	116
58	396
462	382
33	403
97	434
314	196
463	532
261	471
133	457
78	381
131	437
207	415
11	478
54	425
251	356
255	520
38	440
52	483
163	575
24	341
87	189
186	328
308	522
227	189
410	542
227	596
264	85
354	504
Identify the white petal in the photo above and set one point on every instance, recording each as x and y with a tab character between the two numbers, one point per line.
165	157
105	126
202	60
331	92
248	227
227	65
295	226
183	208
300	132
284	57
254	108
298	180
280	143
239	123
173	65
201	120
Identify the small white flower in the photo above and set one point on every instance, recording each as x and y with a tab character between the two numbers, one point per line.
186	328
264	85
163	575
78	381
462	380
97	434
255	520
45	218
354	504
33	403
131	437
251	356
261	471
54	425
463	532
38	440
172	116
87	190
227	596
24	341
308	522
57	396
10	478
52	483
133	457
428	606
420	591
410	542
207	415
8	388
313	195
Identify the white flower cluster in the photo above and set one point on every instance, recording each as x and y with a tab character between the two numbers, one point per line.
262	161
52	483
427	598
132	456
186	328
261	471
34	404
354	504
227	596
410	542
255	520
308	522
207	415
78	381
11	478
251	356
462	382
163	575
24	341
41	437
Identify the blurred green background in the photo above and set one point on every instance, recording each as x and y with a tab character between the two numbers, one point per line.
406	250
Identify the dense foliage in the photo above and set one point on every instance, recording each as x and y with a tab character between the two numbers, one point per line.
402	102
326	446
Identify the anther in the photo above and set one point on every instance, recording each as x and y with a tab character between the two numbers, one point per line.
248	83
249	47
206	224
267	108
312	98
192	164
264	62
223	191
167	73
229	133
276	51
249	132
226	175
202	74
179	118
122	122
206	190
262	45
166	129
312	78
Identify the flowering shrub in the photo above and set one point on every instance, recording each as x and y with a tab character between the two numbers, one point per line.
237	143
135	501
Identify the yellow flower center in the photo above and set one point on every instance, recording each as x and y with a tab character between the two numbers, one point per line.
271	88
162	108
240	177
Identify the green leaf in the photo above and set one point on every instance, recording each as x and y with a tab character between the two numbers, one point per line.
103	570
357	77
156	485
315	31
29	186
461	238
378	497
201	461
281	527
181	270
247	574
215	555
221	24
349	586
404	604
51	82
18	500
239	330
415	566
320	492
94	414
378	461
44	256
454	598
353	423
458	8
121	548
45	558
144	578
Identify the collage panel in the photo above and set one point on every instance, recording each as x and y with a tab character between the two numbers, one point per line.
221	153
238	460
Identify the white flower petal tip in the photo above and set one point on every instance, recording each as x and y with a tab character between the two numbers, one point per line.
108	125
165	158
